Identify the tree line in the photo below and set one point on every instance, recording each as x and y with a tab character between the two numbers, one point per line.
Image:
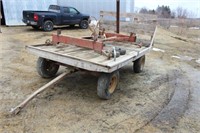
166	12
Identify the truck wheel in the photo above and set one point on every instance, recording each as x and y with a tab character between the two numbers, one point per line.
139	64
48	25
46	68
36	27
107	84
84	24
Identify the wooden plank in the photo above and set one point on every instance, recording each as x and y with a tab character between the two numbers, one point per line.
69	60
88	55
62	50
58	46
154	35
83	55
75	52
121	37
99	59
69	50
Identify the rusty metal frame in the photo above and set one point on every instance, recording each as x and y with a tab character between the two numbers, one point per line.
86	43
89	43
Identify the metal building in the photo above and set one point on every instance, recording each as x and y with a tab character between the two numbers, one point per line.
93	7
12	9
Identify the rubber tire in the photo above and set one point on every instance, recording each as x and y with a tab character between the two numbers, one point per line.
139	64
84	24
48	25
43	66
104	84
35	27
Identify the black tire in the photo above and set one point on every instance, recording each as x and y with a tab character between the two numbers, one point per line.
48	25
84	24
46	68
107	84
36	27
139	64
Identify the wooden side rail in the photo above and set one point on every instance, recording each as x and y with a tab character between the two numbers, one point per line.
121	37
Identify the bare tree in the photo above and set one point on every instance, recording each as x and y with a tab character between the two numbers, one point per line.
181	13
136	10
191	14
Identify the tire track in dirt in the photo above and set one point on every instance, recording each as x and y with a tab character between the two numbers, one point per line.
168	118
155	102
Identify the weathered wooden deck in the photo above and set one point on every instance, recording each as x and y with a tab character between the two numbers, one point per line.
89	59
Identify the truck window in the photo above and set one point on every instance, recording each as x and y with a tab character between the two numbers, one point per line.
65	10
72	10
54	8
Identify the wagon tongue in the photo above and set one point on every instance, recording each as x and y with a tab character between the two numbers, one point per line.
18	108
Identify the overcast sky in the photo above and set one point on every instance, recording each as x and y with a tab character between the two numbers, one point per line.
190	5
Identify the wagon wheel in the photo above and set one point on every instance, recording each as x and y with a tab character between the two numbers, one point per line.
46	68
138	65
107	84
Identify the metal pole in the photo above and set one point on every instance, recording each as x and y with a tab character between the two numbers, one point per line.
117	15
0	14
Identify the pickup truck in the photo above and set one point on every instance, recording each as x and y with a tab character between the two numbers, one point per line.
56	15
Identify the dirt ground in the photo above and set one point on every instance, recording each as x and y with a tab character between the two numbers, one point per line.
163	98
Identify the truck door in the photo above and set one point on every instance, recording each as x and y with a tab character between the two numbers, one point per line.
71	16
65	16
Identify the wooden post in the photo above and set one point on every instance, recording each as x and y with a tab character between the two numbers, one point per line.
117	16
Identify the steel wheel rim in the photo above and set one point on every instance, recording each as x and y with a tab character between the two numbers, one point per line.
113	84
84	24
48	26
50	66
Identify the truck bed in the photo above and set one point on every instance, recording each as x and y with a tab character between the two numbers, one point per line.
88	59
